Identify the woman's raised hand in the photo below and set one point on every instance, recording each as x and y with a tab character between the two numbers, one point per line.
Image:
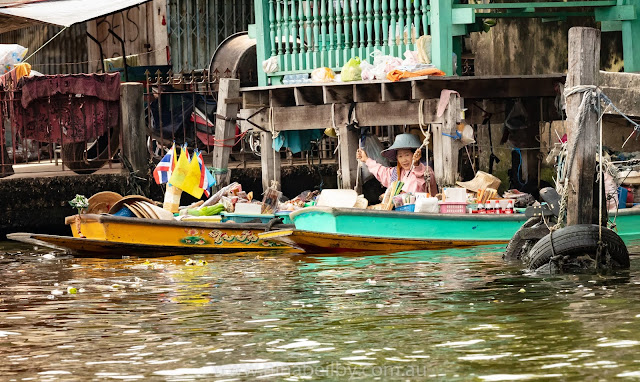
416	157
361	155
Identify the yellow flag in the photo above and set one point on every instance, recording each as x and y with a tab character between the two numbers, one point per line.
191	184
179	173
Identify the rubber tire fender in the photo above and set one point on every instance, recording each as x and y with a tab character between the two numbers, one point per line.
576	240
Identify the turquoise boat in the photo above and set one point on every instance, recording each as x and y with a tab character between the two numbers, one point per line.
329	229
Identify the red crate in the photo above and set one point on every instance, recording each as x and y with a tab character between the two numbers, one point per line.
453	208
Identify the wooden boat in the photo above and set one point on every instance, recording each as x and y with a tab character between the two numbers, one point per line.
326	229
113	236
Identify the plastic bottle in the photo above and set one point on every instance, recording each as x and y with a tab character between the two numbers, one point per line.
489	207
497	210
509	209
481	209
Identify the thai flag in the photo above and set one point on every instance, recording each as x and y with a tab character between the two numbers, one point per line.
205	177
163	170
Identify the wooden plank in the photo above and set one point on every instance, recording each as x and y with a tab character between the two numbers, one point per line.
225	130
270	161
619	80
236	100
445	148
338	93
396	91
486	88
367	114
347	151
134	133
626	100
367	93
255	99
308	95
282	97
584	62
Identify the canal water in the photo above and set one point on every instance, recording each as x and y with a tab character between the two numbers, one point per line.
459	314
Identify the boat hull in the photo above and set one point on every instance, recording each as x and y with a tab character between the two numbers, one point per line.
101	234
319	242
404	225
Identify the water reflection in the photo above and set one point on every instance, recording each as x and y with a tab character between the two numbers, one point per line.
449	315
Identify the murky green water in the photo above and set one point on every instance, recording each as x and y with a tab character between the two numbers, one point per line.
443	315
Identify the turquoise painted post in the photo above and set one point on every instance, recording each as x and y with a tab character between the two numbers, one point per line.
279	35
310	40
442	35
362	18
376	24
401	26
347	32
332	37
289	33
323	33
286	35
265	36
425	16
272	24
416	19
393	49
410	28
355	16
370	35
631	40
303	41
316	35
339	45
385	27
295	52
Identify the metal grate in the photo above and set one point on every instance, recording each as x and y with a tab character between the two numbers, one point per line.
197	27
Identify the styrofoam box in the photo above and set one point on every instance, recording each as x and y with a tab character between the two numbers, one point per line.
455	195
248	208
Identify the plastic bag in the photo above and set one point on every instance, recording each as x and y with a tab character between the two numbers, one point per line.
10	55
323	75
373	147
517	118
351	70
467	135
383	64
423	45
367	71
270	65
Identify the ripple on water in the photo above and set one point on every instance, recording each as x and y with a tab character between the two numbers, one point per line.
445	314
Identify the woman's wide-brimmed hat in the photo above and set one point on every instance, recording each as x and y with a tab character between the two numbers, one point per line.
403	141
102	202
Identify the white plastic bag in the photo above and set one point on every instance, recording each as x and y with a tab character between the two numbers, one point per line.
270	65
427	205
367	70
323	75
10	55
383	64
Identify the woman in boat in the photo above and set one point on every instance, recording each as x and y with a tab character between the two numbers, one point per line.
410	170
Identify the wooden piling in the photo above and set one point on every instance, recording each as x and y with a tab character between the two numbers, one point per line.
225	128
584	62
270	161
349	141
134	133
445	148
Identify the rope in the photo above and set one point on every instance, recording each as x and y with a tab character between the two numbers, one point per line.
335	128
45	44
425	143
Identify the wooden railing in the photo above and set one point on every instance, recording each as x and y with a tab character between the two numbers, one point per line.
306	34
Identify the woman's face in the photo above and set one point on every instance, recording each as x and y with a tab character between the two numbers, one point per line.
405	157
